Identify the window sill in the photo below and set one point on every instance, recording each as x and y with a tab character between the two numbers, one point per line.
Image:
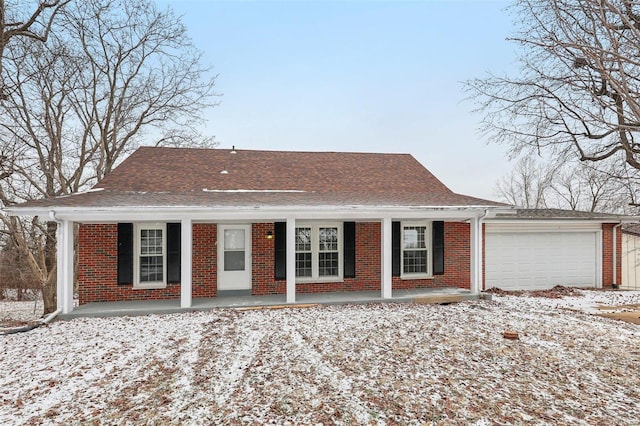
416	277
319	280
149	286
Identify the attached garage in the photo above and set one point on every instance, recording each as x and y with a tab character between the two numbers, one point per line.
535	256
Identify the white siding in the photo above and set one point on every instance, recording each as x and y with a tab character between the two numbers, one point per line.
630	262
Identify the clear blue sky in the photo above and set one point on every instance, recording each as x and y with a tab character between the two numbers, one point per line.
373	76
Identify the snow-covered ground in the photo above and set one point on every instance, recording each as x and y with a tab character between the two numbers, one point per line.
17	313
366	364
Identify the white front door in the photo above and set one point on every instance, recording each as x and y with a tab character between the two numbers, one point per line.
234	257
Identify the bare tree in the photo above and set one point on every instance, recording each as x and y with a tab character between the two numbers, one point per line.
578	92
527	185
112	75
27	21
573	185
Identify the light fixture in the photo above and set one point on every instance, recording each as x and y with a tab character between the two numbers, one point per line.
269	235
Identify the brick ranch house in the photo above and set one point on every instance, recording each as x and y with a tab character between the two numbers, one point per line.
183	223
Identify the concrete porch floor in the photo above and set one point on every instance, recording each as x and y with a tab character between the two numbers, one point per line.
147	307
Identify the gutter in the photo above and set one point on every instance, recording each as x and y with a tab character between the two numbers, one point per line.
44	321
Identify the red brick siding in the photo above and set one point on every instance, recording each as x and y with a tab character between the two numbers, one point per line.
204	267
97	258
368	263
457	261
262	258
98	267
607	255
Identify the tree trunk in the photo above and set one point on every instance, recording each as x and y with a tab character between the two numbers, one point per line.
49	290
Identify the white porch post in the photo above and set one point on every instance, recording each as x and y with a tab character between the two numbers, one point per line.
476	255
59	267
64	264
291	260
385	250
186	257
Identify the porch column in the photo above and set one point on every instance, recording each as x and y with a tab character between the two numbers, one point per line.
64	265
385	250
291	260
186	257
476	255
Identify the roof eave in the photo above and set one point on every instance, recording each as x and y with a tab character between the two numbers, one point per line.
252	212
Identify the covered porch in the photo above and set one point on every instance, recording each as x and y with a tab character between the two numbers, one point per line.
470	285
151	307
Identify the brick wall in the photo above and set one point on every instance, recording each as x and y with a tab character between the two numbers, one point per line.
607	255
263	253
98	267
97	259
204	267
368	263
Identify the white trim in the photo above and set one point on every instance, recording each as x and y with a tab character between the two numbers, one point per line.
252	213
315	252
291	260
542	226
60	265
138	228
387	259
186	258
476	255
428	248
64	264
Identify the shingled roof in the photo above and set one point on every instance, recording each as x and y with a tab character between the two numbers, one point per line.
559	214
153	176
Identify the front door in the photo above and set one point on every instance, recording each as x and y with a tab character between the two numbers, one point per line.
234	257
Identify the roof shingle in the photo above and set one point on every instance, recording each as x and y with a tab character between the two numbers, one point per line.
153	176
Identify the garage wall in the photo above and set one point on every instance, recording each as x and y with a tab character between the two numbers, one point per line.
607	255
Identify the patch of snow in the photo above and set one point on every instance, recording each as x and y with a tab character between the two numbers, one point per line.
362	364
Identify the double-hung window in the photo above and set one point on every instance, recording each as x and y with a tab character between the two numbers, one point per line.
318	252
150	260
416	241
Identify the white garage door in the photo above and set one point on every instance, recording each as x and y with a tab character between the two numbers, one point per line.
541	260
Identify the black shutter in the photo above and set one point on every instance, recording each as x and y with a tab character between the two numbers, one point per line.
280	246
125	253
438	248
395	249
349	234
174	245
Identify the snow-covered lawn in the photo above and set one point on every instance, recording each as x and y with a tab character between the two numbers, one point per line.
367	364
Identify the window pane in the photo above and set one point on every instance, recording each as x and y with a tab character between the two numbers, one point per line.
414	237
415	261
303	239
234	239
234	260
150	241
328	239
151	268
328	264
303	264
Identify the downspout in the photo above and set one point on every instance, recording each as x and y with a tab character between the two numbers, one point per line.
44	321
615	283
477	259
480	224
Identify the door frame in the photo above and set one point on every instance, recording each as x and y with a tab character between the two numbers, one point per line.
234	280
